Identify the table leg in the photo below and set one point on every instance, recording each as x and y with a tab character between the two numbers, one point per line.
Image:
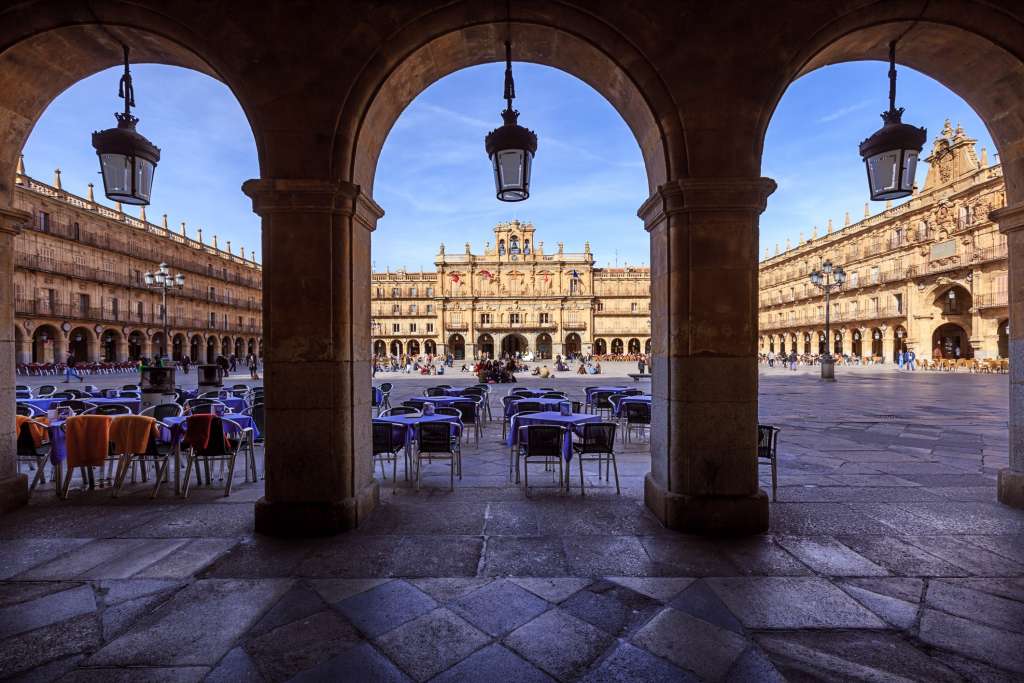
177	467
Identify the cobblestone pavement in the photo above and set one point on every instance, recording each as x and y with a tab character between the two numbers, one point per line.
888	559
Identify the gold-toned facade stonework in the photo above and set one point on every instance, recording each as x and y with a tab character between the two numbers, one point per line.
929	275
80	288
514	297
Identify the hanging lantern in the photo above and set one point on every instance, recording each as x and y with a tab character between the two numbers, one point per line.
511	148
891	153
127	160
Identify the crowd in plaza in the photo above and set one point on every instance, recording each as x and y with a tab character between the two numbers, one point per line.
505	368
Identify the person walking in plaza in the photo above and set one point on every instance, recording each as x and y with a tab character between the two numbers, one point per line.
70	370
899	359
792	359
186	363
911	360
641	365
253	364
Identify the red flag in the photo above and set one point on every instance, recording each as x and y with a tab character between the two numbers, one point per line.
455	278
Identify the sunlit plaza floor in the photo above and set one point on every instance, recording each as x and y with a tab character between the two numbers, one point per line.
887	557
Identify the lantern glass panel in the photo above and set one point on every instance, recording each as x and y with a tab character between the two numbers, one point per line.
117	175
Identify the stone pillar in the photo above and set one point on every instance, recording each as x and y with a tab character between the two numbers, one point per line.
148	348
23	348
703	475
1011	479
316	313
13	486
888	347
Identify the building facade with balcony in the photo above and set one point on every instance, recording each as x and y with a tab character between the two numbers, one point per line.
514	297
928	275
80	288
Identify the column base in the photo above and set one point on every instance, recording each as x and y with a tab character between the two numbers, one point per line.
307	519
828	370
708	515
1010	488
13	492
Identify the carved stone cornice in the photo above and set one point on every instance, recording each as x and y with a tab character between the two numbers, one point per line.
272	196
690	195
1009	218
11	220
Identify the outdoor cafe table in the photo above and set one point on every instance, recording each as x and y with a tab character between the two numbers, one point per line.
177	434
133	404
531	393
572	423
546	403
631	399
612	390
441	400
410	425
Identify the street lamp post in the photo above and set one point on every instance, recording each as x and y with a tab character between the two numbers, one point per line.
828	279
162	280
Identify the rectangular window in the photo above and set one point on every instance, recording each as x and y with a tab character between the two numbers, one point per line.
897	300
430	291
545	318
513	318
44	221
430	327
599	306
378	293
396	328
485	319
115	305
395	292
413	291
874	275
430	308
213	319
139	310
633	307
412	309
396	309
83	304
412	327
854	278
211	293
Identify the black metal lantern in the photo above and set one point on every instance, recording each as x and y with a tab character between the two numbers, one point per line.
511	148
891	153
127	160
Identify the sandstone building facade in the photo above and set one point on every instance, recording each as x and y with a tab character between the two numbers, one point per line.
928	275
516	296
79	285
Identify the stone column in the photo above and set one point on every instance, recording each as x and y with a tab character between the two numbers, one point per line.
1011	479
23	348
316	314
703	475
888	347
13	486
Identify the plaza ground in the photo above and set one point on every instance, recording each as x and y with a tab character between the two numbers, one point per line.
887	556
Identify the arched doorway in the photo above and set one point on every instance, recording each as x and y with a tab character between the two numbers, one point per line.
196	349
413	347
647	346
617	347
457	347
951	340
156	345
239	348
511	344
251	346
954	300
430	347
807	342
822	344
899	341
837	344
876	343
380	349
600	347
225	346
771	343
856	347
45	345
485	346
211	350
573	345
544	345
80	343
109	341
396	347
1003	345
782	344
633	346
135	340
177	346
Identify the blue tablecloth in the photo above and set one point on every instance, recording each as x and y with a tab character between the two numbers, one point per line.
553	404
411	424
133	404
613	390
571	423
631	399
177	425
378	396
530	393
441	400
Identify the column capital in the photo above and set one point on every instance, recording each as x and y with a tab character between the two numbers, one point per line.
706	194
310	195
1009	218
12	219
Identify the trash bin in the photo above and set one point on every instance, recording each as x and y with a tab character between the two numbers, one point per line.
155	382
210	376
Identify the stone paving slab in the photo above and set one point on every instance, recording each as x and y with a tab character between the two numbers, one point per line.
888	557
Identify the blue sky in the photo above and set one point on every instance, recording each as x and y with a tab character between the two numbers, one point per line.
434	179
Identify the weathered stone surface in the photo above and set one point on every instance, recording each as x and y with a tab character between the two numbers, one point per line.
629	664
44	611
493	660
559	643
498	607
791	602
971	639
692	644
296	646
430	644
381	609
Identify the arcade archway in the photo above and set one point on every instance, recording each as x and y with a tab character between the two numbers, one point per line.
544	345
950	341
457	346
512	344
573	345
485	346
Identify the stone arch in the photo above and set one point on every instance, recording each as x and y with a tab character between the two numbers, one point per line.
225	346
430	347
543	345
633	346
447	40
983	69
952	299
1003	344
413	347
395	347
111	342
196	348
178	346
211	350
48	57
952	341
137	343
485	345
457	346
600	347
47	344
380	349
877	345
82	342
573	344
647	346
617	347
239	347
156	345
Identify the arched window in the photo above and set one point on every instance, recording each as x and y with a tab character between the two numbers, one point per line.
513	245
501	247
526	246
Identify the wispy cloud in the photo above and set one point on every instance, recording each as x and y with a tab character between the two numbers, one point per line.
843	111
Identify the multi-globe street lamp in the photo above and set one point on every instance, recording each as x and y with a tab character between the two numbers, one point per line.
163	281
828	279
